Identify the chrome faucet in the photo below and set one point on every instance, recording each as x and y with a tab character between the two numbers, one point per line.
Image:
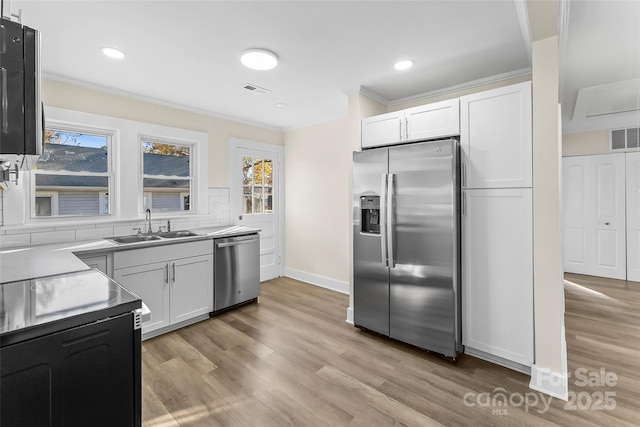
147	219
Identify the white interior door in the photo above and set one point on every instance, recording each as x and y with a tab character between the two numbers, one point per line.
609	216
594	215
575	182
256	190
633	216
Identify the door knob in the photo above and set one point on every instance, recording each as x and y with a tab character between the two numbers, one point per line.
606	223
240	217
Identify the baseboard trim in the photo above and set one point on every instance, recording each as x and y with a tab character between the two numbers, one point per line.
552	383
350	316
314	279
497	360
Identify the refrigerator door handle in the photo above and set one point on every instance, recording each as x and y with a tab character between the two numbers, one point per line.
383	220
389	218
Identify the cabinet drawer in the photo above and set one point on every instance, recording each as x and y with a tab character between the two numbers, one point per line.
149	255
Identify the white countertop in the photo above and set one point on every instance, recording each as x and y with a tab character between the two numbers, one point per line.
29	262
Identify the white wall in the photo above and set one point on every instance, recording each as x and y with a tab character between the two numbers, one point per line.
583	143
318	196
78	98
71	97
550	346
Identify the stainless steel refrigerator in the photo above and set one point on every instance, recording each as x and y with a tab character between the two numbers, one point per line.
406	243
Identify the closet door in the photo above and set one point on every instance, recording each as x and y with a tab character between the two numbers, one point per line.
633	216
594	215
608	220
576	185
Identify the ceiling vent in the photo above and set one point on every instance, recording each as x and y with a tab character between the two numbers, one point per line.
625	139
256	89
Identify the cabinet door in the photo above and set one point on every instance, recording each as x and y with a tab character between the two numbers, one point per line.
71	377
151	283
191	287
495	138
497	273
633	216
383	129
435	120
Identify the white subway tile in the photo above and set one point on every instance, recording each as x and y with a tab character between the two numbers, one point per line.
53	237
125	230
23	230
94	233
9	240
74	227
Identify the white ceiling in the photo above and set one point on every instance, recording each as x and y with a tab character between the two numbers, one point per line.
600	63
186	53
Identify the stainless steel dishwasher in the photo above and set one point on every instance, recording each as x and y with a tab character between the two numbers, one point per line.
237	270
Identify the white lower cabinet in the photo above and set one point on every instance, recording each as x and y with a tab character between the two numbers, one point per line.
177	288
497	275
99	262
150	283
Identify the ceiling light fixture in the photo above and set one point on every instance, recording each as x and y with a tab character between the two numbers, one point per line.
112	52
280	105
403	65
259	59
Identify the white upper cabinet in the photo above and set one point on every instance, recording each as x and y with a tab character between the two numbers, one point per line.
384	129
440	119
496	138
435	120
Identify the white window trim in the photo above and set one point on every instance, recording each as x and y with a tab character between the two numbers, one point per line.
53	195
125	198
193	153
111	134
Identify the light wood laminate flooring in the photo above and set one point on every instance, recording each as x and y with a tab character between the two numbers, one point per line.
292	360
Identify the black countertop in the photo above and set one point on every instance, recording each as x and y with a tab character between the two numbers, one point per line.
46	305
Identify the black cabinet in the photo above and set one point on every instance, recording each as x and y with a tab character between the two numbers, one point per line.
21	113
87	375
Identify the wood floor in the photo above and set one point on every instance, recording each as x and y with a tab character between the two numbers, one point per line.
292	360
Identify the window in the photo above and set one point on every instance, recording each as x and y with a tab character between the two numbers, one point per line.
73	175
257	185
167	175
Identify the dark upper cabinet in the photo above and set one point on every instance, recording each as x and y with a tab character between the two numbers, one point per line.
21	113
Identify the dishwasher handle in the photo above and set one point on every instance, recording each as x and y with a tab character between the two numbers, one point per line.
237	242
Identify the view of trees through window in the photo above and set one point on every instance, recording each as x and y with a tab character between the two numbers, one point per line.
72	175
257	185
167	177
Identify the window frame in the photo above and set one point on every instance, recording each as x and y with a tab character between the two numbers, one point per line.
125	193
192	178
112	137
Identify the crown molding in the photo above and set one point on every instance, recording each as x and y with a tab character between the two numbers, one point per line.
463	86
151	100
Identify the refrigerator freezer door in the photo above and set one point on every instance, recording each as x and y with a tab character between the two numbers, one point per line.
371	276
424	228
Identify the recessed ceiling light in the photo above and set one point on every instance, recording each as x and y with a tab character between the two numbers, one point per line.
259	59
403	65
112	52
280	105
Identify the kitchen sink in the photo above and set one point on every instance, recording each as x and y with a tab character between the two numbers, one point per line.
134	238
179	233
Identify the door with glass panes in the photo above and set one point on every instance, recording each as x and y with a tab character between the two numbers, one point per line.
254	202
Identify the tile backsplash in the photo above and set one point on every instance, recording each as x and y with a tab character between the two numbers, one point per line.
218	215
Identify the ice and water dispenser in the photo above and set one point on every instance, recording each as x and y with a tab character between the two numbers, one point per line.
370	214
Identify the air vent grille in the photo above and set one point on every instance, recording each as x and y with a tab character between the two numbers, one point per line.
625	139
256	89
